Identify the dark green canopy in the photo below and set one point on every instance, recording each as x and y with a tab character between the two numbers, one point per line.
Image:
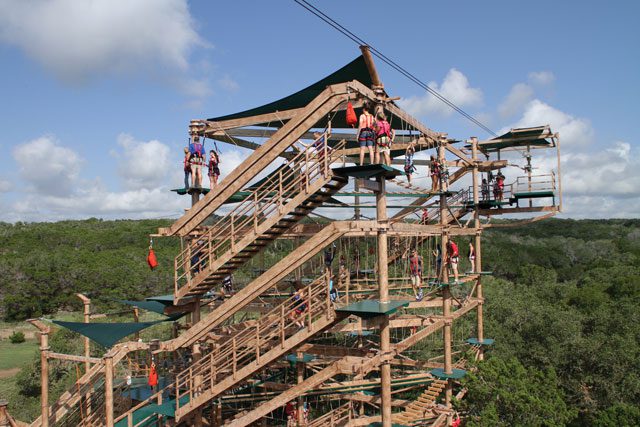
155	306
107	334
534	137
355	70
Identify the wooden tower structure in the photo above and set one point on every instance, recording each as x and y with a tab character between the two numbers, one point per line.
323	327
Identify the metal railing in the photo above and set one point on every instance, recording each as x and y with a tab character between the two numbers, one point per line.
268	199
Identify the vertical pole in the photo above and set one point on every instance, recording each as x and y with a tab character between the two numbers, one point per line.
446	292
44	377
559	184
136	319
86	302
383	283
300	372
197	355
356	200
477	265
108	390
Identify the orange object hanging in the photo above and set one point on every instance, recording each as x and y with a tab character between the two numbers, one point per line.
153	375
352	119
151	259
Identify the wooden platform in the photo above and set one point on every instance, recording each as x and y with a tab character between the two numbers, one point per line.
370	308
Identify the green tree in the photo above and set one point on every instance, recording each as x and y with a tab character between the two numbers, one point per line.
505	393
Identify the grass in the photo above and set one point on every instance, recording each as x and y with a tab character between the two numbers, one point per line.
16	355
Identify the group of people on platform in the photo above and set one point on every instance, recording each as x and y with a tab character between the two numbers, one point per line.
451	263
497	186
195	159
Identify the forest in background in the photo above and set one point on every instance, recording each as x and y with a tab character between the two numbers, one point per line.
562	306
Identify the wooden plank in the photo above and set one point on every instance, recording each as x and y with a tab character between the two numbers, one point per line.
72	358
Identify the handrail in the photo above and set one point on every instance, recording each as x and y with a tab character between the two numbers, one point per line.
305	168
248	345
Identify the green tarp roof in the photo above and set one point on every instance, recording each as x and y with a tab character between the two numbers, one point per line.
533	137
155	306
355	70
107	334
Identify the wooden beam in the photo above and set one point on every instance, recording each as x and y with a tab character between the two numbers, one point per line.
259	159
277	117
73	358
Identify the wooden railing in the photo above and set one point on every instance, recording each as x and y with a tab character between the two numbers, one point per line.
306	168
336	417
247	346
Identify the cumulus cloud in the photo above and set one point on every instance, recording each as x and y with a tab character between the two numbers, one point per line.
227	83
573	130
541	78
46	166
5	186
57	192
455	87
79	41
142	164
515	101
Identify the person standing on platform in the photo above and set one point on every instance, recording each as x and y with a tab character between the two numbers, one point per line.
186	165
196	150
214	169
409	168
500	184
485	190
415	272
384	139
472	257
453	258
434	169
366	135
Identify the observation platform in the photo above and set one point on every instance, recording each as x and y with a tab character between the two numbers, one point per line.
476	341
191	190
455	374
370	308
368	171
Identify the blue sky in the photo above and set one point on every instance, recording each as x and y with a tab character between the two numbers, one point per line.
97	95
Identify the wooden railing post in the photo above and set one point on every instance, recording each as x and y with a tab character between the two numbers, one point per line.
258	342
282	319
234	358
233	243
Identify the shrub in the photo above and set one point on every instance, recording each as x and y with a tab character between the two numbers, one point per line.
16	337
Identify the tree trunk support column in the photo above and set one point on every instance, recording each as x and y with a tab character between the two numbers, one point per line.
44	369
383	279
108	390
477	265
446	292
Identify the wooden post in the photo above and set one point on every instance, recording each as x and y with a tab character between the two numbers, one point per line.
446	292
356	201
383	283
108	390
300	372
368	59
559	175
197	355
86	302
45	330
477	265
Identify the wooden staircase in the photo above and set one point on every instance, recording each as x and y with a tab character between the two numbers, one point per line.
421	408
277	204
255	347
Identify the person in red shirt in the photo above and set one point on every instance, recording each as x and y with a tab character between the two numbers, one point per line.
292	413
153	376
453	258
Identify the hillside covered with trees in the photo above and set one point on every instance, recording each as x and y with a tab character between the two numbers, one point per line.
563	306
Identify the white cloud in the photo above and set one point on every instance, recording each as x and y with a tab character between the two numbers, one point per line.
455	87
5	186
541	78
515	101
82	40
228	83
142	165
573	130
48	167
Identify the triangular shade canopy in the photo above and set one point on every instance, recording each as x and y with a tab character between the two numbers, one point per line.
355	70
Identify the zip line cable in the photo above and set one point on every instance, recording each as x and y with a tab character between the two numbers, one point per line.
327	19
